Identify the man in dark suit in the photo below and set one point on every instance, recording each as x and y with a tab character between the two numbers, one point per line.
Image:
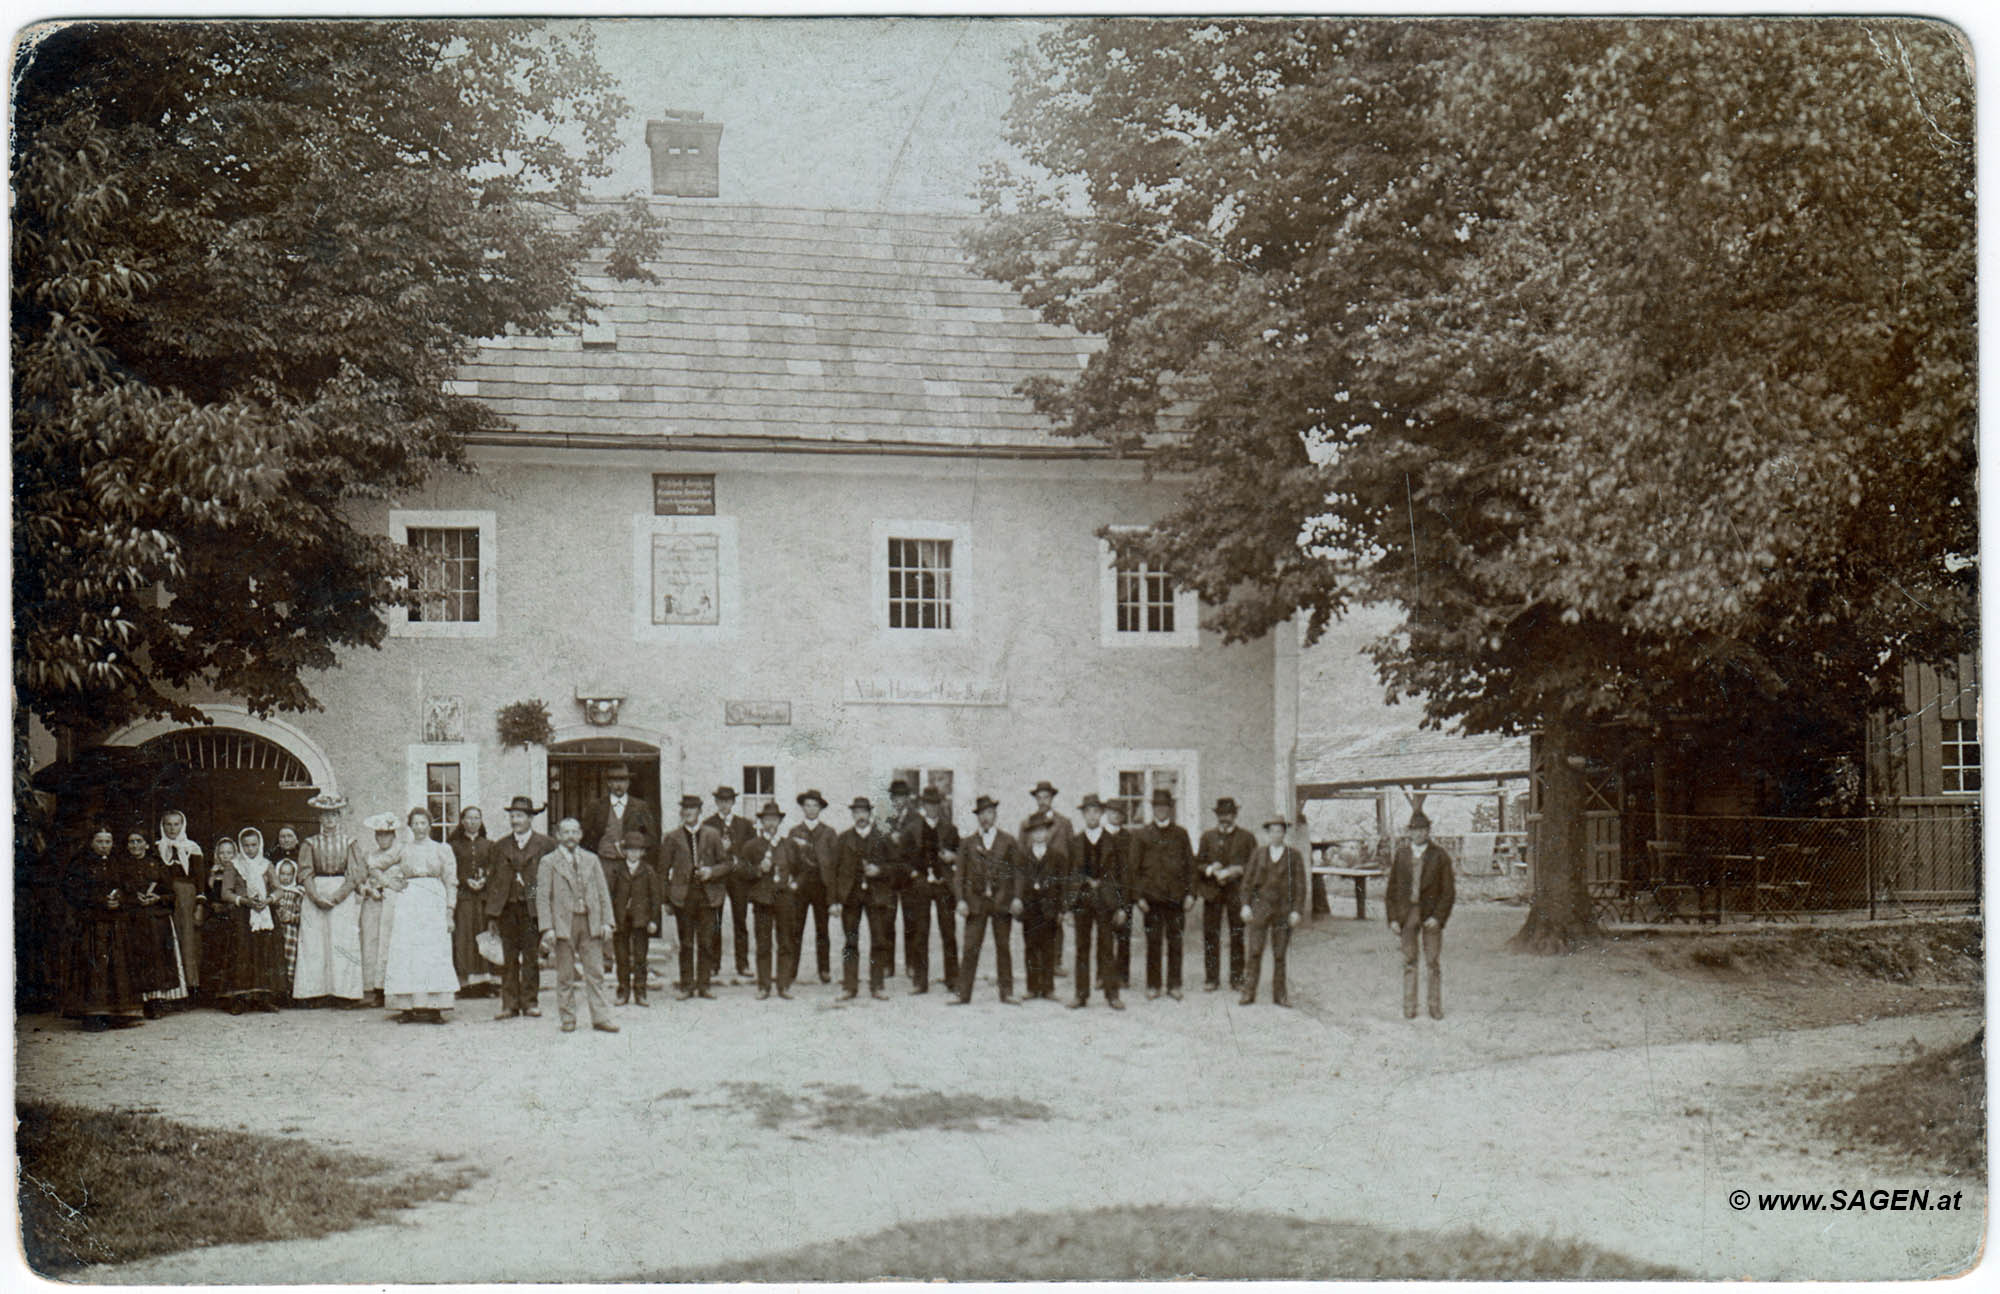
760	861
987	885
1114	827
696	866
1044	885
1163	874
616	812
935	851
735	833
1060	833
1275	898
899	848
510	909
862	882
636	898
1097	892
1421	892
821	845
1219	866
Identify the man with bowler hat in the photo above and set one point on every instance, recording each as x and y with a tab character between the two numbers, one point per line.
1275	898
1097	895
695	864
510	908
820	844
1421	892
935	852
761	862
862	883
616	812
987	883
1044	882
1218	882
1163	874
1060	834
735	833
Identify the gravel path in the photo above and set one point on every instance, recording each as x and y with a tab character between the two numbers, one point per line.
1593	1097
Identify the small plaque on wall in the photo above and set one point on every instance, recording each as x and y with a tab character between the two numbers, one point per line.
683	494
737	714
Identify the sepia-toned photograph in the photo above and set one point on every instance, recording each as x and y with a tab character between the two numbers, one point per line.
846	649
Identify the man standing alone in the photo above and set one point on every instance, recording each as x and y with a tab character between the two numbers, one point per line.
1421	891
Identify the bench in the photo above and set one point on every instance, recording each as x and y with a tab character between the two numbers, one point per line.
1360	876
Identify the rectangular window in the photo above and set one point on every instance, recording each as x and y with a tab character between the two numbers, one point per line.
447	574
1960	758
1145	600
1136	787
920	777
919	583
760	787
442	797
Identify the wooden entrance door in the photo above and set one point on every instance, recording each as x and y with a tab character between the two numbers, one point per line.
576	776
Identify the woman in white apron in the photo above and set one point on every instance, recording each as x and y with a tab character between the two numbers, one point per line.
329	964
419	980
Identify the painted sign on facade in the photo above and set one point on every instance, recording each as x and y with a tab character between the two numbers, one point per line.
900	690
739	714
683	494
687	581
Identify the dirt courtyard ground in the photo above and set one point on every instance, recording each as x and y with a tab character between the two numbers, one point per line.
1598	1097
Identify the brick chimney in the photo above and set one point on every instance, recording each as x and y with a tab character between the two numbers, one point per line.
686	161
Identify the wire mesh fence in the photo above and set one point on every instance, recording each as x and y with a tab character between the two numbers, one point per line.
1750	868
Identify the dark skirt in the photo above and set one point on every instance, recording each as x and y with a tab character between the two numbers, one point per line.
467	922
101	973
158	968
237	961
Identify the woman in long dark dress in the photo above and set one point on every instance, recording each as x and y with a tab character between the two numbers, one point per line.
250	968
159	972
216	919
470	849
100	985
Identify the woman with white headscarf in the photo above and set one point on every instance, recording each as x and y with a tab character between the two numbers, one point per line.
188	876
419	980
250	967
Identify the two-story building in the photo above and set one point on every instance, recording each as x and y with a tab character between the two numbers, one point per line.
778	521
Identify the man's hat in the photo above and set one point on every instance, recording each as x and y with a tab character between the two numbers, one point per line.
1162	795
1225	805
636	839
690	801
985	802
861	802
770	810
325	802
1278	819
899	787
1044	785
617	770
814	796
522	804
1040	822
1418	819
725	792
1090	801
932	795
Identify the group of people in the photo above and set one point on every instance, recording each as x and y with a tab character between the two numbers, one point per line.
413	925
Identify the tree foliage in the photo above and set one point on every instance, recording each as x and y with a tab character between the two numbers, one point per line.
1634	359
247	258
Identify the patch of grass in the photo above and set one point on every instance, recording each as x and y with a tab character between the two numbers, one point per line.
1932	1109
110	1187
1924	952
1163	1243
852	1110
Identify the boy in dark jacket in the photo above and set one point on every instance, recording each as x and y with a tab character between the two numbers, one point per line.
636	896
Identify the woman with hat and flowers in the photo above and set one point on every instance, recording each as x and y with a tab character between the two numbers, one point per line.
418	979
329	961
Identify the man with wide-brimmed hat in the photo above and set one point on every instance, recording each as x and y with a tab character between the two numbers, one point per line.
820	845
616	812
735	832
1219	866
762	862
935	851
1044	881
1275	896
987	883
862	883
1421	892
1098	889
696	864
510	908
1163	875
1060	833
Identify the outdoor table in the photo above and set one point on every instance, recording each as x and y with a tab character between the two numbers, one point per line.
1360	876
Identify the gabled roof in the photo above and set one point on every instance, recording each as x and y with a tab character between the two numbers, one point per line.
792	325
1409	757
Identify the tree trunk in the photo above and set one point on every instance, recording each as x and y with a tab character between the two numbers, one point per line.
1560	913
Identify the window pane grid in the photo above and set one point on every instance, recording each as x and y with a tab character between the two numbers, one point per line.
1145	599
447	573
760	785
920	583
441	797
1959	754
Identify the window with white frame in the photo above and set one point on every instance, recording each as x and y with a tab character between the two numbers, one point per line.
954	771
442	792
1960	757
443	777
922	579
456	556
1130	777
1142	605
919	777
760	787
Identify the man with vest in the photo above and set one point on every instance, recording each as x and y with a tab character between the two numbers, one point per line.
1275	897
695	865
935	851
1218	882
1421	892
1098	886
820	844
735	833
987	885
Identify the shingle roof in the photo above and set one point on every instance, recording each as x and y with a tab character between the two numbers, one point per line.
1408	757
787	323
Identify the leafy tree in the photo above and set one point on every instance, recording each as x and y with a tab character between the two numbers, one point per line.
1634	359
247	258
